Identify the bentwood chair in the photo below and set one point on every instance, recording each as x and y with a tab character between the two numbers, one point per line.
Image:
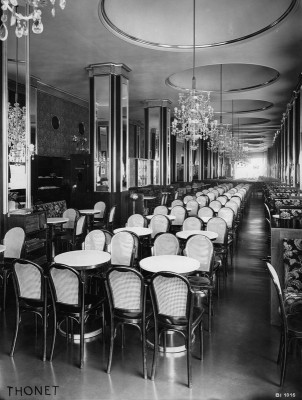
228	215
136	220
203	201
193	205
173	309
291	325
222	200
219	226
187	199
162	209
159	223
215	205
71	303
123	249
14	242
177	202
126	293
165	244
98	218
202	280
30	286
205	212
192	223
180	214
95	240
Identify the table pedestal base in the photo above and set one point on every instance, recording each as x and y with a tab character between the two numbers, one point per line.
170	342
91	330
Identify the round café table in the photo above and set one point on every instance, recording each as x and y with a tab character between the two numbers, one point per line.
179	265
90	214
83	261
51	222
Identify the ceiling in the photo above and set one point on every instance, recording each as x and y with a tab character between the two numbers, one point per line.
257	45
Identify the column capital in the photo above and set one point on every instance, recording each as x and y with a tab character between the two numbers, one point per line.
108	69
157	103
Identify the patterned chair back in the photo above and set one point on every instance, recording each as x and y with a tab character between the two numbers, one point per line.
95	240
14	242
72	214
201	248
136	220
222	200
203	201
180	213
166	244
29	280
177	202
66	285
192	223
159	223
163	210
193	205
215	205
219	226
205	212
123	249
187	199
228	215
101	207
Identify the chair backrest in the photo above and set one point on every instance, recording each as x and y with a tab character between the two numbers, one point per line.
161	210
219	226
222	200
136	220
205	212
203	201
215	205
72	214
228	215
220	191
192	223
66	284
231	204
29	280
95	240
211	196
14	242
201	248
177	202
187	198
171	295
101	207
123	249
180	213
125	288
193	205
205	191
164	198
198	194
111	215
237	200
276	282
215	191
166	244
80	226
159	223
228	195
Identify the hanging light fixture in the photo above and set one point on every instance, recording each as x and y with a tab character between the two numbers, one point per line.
220	138
193	119
22	21
16	124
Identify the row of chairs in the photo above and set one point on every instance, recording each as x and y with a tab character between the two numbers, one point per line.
172	306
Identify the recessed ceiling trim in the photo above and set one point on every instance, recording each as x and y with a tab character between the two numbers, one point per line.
104	18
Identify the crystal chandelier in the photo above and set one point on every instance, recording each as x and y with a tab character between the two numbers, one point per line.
220	139
22	21
193	119
16	129
236	152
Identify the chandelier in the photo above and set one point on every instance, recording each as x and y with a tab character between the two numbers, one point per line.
236	152
22	21
16	130
220	139
193	119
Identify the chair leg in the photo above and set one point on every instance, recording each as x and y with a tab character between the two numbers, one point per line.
44	332
156	349
82	323
144	350
283	363
16	330
200	340
54	334
210	311
4	287
189	364
112	331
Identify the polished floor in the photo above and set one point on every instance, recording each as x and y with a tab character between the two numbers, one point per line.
239	356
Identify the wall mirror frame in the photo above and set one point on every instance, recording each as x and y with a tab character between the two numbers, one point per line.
20	189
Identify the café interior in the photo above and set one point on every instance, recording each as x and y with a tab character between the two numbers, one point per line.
150	206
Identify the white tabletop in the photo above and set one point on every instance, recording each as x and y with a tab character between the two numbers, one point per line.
185	234
2	248
276	216
170	217
170	263
83	259
149	197
139	231
89	211
57	220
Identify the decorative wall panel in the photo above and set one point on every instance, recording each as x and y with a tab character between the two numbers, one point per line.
58	142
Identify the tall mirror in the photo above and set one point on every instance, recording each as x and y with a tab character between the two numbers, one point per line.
16	106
